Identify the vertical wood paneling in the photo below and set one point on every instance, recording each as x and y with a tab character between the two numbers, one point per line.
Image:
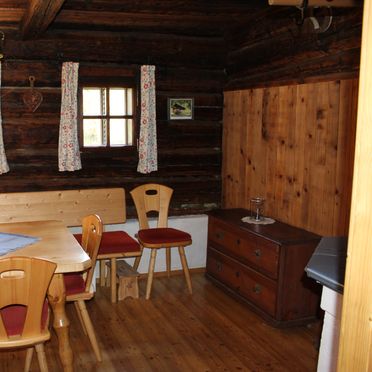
345	150
297	154
231	133
268	156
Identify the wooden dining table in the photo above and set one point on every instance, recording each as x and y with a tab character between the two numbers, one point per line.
56	244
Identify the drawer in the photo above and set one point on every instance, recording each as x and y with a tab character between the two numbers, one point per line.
256	288
250	249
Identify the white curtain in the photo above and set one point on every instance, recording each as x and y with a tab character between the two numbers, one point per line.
148	156
68	147
4	168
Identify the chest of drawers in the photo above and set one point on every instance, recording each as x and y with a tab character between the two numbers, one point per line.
263	265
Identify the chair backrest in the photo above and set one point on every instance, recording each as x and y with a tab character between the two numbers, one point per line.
152	197
91	239
23	285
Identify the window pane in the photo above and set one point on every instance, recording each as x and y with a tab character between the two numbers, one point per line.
93	135
129	101
94	101
130	131
117	101
117	132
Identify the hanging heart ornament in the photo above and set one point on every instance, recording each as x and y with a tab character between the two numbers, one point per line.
32	98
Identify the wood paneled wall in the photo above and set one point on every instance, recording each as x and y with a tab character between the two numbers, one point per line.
294	146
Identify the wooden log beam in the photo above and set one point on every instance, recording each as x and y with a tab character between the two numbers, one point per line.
333	3
39	15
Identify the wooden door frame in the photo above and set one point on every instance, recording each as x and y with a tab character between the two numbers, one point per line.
355	353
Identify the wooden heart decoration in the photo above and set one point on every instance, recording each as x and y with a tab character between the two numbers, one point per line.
32	99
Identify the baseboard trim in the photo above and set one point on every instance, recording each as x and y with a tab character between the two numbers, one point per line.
159	274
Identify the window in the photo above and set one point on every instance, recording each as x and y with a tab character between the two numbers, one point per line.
107	116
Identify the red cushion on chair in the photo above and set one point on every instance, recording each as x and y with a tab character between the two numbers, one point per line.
115	242
74	283
78	237
163	235
14	317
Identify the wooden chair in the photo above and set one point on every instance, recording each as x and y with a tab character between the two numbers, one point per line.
78	285
23	306
155	197
114	245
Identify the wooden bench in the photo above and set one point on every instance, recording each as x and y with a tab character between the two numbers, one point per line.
70	206
127	278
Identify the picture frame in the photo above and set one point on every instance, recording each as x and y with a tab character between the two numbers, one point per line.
180	108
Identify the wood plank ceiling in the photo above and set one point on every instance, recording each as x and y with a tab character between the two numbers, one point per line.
195	18
182	28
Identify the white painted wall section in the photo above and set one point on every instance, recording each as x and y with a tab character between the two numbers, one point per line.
331	303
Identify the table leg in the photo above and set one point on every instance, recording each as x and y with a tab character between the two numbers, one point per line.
57	297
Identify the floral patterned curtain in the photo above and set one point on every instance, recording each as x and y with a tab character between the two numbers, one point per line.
4	168
68	148
148	156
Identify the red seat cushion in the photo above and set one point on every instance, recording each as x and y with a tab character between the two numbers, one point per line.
163	235
14	317
115	242
74	283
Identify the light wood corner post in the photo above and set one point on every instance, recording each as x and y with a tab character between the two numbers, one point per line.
355	351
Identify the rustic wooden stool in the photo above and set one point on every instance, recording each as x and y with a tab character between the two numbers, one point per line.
127	278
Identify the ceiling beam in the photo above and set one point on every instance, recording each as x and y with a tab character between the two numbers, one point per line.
327	3
39	15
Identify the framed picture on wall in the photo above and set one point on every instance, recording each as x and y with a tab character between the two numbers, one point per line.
180	108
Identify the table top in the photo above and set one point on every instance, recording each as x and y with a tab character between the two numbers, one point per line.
56	244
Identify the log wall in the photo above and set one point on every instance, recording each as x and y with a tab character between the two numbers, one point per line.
294	146
278	49
189	151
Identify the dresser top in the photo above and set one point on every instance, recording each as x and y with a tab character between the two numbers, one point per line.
277	232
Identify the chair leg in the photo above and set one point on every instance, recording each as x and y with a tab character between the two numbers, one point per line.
137	260
168	260
80	317
30	353
102	272
113	280
181	251
90	329
41	357
151	273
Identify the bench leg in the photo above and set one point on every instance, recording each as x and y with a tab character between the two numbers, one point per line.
113	280
151	273
128	287
181	250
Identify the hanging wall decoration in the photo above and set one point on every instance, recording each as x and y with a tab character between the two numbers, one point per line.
32	98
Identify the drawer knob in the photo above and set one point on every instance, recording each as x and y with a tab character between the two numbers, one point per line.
220	235
219	266
257	252
237	274
257	289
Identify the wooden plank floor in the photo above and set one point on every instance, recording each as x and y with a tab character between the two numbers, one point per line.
208	331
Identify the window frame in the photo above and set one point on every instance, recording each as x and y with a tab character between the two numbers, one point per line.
108	84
